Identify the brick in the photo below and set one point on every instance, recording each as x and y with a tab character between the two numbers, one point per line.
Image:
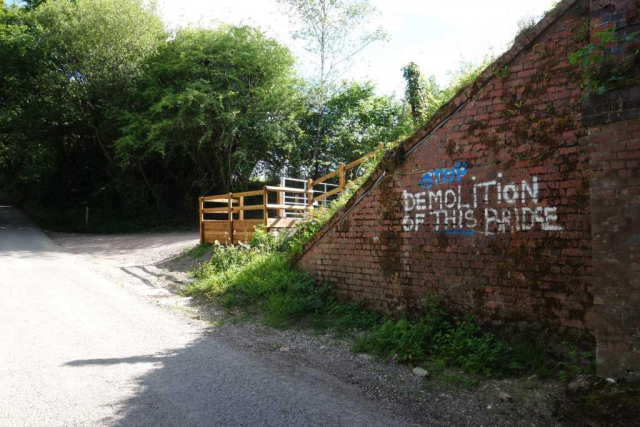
586	167
629	154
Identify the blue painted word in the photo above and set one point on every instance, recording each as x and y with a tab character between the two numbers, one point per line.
446	176
460	232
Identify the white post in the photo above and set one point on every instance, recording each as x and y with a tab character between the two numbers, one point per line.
283	182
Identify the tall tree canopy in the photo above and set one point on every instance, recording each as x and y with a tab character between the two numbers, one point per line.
422	94
70	63
333	32
213	106
356	119
100	106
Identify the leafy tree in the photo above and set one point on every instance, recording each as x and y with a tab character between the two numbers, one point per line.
214	108
20	60
100	106
356	120
65	68
333	31
32	4
423	95
97	46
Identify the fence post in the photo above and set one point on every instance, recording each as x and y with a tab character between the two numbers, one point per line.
201	216
309	194
230	204
280	213
241	213
343	178
265	212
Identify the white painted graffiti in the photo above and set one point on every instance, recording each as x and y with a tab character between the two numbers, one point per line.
491	207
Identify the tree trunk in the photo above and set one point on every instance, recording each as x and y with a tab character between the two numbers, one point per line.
156	198
316	149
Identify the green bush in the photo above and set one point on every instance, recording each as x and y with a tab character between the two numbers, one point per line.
451	341
261	277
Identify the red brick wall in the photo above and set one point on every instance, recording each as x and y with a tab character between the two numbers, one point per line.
615	204
614	146
555	247
523	256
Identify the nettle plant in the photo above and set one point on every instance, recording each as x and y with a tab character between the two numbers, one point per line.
602	73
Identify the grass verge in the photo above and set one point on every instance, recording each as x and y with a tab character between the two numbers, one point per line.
260	278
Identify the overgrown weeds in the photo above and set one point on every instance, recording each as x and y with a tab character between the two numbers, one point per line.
601	72
261	278
445	340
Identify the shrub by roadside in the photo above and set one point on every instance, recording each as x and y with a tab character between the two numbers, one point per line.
260	278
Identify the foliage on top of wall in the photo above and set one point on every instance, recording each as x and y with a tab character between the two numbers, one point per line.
525	26
600	72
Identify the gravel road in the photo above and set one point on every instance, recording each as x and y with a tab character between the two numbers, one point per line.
78	349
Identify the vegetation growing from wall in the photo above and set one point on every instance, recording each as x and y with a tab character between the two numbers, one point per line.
602	73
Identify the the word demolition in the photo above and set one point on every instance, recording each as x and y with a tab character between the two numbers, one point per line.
489	207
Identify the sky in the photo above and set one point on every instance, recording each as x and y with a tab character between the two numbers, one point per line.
437	35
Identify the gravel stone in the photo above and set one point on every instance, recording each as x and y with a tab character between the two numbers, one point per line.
421	373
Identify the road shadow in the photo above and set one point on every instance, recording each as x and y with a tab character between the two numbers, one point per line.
155	280
207	383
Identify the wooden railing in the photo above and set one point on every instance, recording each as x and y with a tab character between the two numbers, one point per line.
234	228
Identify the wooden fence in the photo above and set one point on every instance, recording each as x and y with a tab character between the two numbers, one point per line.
242	212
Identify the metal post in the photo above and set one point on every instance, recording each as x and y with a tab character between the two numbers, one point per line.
230	204
201	216
265	212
